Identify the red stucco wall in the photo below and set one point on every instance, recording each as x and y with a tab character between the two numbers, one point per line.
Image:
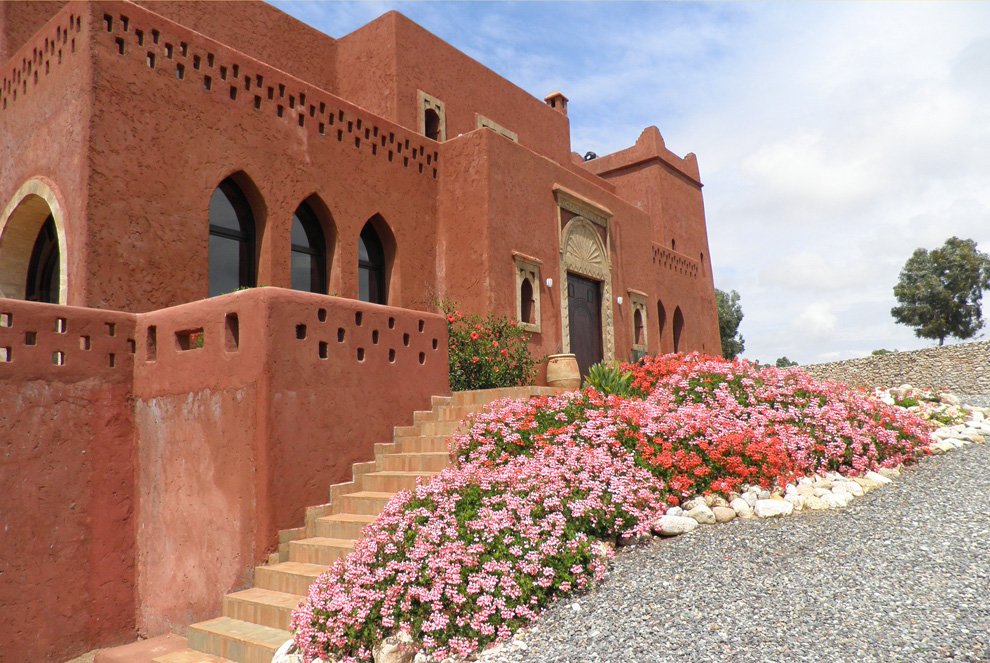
66	481
234	442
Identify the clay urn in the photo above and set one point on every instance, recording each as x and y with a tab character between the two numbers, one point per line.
563	371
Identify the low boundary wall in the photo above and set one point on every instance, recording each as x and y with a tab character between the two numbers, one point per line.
147	461
963	368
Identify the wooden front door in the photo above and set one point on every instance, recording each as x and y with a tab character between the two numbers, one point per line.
584	311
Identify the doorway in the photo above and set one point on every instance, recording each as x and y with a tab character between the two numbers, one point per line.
584	309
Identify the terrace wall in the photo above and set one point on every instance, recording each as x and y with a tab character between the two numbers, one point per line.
149	460
962	368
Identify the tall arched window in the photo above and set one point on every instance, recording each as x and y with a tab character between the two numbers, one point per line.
527	304
372	285
678	328
232	233
661	323
43	268
639	337
309	252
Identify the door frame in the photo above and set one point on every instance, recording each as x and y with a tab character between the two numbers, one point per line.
582	252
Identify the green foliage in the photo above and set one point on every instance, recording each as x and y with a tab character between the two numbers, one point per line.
729	316
784	362
883	351
610	379
940	291
487	352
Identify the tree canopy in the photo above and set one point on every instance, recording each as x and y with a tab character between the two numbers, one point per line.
729	316
940	291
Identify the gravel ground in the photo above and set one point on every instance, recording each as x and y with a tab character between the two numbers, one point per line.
902	574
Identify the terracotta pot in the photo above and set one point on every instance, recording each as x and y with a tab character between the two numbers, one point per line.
563	371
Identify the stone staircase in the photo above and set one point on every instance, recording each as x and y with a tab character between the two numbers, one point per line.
255	621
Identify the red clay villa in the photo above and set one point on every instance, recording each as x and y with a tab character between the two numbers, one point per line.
162	420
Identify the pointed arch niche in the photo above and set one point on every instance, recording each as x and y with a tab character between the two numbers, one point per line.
584	252
28	222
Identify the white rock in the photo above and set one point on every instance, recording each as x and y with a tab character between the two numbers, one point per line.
815	503
796	500
822	492
702	514
742	508
675	511
674	525
838	500
750	499
723	514
943	446
805	481
876	476
790	489
853	488
772	508
763	494
395	649
694	502
288	653
890	472
949	399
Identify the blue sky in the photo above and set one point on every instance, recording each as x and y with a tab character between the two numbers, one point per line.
833	138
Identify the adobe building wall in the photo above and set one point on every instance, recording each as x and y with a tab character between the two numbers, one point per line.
518	194
146	471
66	480
962	368
44	130
406	58
237	434
287	140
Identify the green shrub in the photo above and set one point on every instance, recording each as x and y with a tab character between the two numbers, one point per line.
610	378
487	352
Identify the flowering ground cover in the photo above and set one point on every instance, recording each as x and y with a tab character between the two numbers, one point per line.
538	486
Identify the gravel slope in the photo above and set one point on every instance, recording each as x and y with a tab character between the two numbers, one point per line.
902	574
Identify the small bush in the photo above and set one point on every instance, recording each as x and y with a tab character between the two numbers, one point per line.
610	379
487	352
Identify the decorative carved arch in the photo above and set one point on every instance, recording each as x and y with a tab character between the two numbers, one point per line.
583	252
20	223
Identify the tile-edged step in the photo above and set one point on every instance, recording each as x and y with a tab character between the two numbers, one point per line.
189	656
364	502
319	550
237	640
393	482
261	606
342	525
415	462
288	577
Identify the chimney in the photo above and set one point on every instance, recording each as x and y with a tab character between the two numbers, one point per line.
557	101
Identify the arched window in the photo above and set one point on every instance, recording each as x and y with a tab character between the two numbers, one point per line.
527	311
309	252
431	121
661	322
638	336
678	328
372	284
43	268
232	232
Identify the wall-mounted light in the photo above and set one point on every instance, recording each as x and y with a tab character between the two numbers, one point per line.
549	283
619	300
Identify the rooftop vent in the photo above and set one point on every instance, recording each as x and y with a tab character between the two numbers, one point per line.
557	101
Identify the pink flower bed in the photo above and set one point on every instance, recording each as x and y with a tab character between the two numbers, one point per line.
480	549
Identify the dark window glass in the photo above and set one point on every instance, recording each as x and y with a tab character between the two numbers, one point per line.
43	269
678	328
432	122
231	240
371	267
527	303
309	255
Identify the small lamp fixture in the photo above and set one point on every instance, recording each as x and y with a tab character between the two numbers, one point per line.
549	282
618	300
